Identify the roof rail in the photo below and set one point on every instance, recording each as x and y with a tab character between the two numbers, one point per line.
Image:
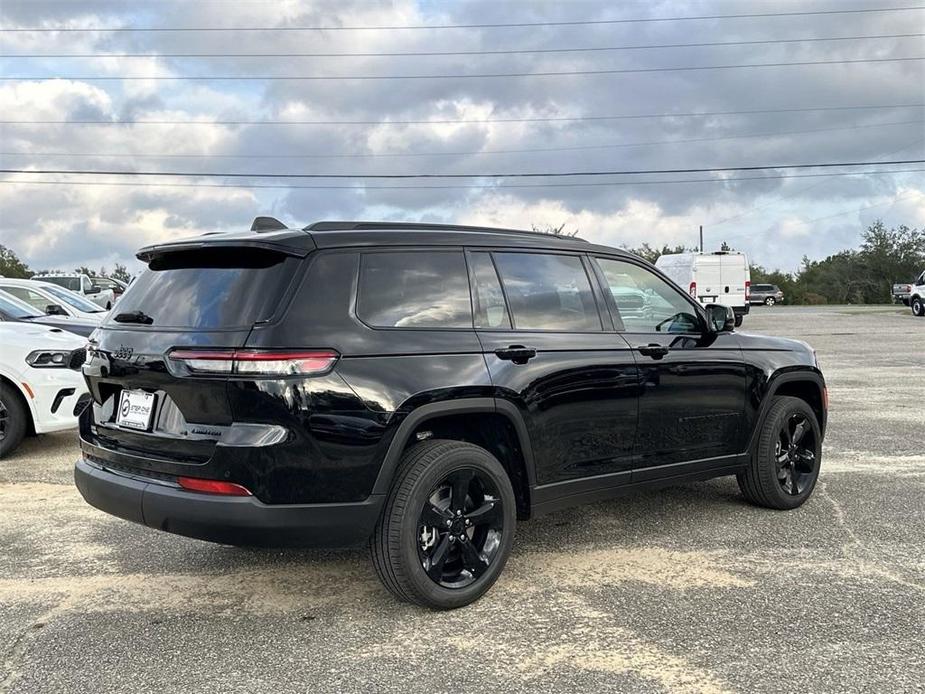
422	226
267	224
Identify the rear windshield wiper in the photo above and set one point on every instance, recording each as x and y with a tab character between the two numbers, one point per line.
134	317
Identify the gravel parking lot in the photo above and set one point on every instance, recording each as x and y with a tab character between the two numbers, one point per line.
687	589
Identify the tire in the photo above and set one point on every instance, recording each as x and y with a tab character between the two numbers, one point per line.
738	320
14	419
402	543
918	307
777	476
770	301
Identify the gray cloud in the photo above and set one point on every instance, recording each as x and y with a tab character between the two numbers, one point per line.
121	218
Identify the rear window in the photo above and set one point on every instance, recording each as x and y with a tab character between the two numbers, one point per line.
72	283
414	289
218	288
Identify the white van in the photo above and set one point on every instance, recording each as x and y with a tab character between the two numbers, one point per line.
720	277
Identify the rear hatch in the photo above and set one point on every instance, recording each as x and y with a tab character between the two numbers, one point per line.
148	409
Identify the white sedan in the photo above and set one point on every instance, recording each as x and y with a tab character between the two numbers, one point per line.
40	380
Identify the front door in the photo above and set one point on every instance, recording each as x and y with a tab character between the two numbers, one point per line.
693	383
552	353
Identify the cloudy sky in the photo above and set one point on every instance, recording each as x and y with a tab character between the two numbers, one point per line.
462	125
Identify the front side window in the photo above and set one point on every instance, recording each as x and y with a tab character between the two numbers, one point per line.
414	289
548	292
646	302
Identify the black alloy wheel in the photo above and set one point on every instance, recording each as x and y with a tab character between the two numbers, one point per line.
460	528
447	526
784	465
796	454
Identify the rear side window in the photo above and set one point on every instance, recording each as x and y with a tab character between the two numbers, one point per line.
414	289
490	309
218	288
548	292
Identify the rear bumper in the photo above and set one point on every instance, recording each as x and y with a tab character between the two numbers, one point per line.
226	519
741	310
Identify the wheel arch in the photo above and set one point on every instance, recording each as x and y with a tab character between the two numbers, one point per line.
807	385
495	425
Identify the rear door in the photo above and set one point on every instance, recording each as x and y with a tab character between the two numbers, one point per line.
207	298
734	271
708	276
550	351
693	384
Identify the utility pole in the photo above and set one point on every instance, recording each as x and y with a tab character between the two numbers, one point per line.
701	238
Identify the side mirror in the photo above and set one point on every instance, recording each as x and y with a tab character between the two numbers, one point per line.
93	290
55	310
720	318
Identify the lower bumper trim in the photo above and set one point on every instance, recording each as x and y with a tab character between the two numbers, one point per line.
224	519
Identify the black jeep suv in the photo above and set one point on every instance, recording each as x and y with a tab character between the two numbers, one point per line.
420	388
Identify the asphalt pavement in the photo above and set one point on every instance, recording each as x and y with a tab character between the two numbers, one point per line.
687	589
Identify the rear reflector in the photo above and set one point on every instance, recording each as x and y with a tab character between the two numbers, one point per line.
255	362
194	484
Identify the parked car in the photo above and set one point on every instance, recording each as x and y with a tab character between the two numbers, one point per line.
720	277
902	291
51	299
767	294
12	309
917	296
422	388
40	381
83	285
117	287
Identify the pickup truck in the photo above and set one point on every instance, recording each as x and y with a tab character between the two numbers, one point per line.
917	296
901	292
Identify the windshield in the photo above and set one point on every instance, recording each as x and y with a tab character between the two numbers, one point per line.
16	309
73	299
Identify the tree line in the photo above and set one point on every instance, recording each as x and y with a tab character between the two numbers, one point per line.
12	266
863	275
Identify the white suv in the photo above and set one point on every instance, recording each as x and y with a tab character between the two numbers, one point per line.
82	284
40	381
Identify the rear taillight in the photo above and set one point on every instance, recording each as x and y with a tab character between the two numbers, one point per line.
693	289
254	362
195	484
748	290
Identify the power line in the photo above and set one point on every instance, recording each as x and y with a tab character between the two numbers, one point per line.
519	174
454	187
805	189
378	155
526	51
588	22
490	75
466	121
